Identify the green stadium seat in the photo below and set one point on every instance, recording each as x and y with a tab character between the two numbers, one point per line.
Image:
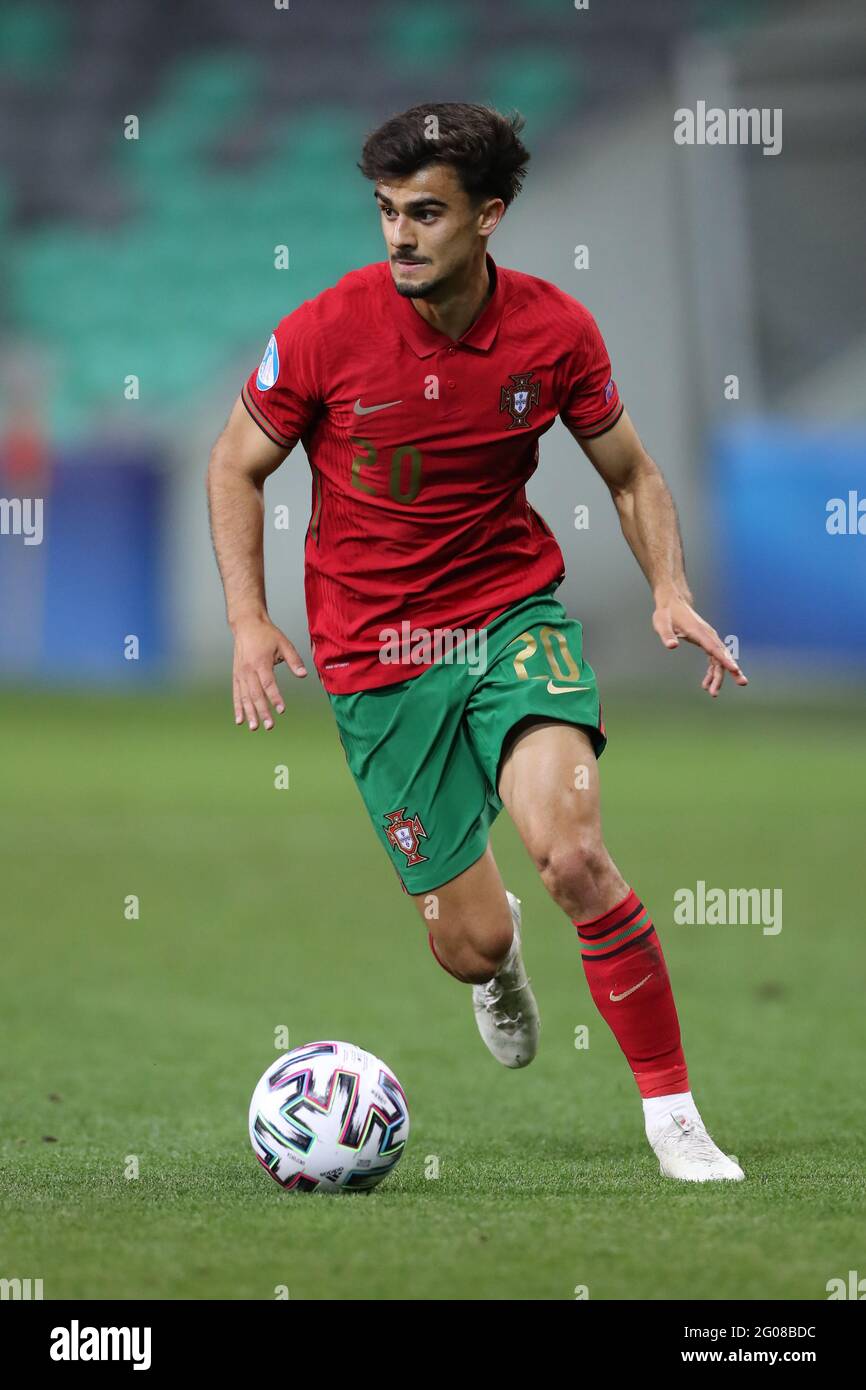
538	82
33	39
419	38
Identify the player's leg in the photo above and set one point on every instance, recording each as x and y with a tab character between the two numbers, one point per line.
549	784
468	922
432	805
473	928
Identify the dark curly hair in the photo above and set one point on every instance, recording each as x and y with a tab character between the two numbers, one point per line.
482	145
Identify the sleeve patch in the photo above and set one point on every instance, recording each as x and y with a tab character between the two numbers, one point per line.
269	367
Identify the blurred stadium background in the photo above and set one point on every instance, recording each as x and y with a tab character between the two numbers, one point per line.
153	258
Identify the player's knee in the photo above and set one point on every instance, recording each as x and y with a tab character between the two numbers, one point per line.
575	871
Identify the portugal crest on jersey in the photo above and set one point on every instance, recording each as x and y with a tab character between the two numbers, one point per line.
404	835
519	398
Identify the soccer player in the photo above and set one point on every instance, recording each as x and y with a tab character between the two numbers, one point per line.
420	388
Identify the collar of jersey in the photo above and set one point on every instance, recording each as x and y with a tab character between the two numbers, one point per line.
424	340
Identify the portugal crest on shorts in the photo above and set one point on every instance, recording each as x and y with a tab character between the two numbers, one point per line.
519	398
404	835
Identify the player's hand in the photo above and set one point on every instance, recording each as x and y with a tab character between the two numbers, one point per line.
259	647
674	618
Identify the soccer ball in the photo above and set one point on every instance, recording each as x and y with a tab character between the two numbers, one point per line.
328	1117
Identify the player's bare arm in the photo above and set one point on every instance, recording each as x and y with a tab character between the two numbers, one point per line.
240	462
649	523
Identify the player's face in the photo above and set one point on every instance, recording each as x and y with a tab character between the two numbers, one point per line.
432	228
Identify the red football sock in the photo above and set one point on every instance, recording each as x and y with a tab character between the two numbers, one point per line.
628	979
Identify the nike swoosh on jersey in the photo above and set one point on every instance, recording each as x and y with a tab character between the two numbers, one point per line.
564	689
368	409
615	998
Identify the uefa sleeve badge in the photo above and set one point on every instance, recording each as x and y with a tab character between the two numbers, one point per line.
269	367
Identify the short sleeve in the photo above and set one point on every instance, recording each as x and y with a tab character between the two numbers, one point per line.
284	394
592	404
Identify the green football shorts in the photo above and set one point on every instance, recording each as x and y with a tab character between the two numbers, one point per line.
425	752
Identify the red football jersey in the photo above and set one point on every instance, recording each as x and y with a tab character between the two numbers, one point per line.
420	450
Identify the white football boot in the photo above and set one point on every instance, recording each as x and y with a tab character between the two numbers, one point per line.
685	1150
505	1007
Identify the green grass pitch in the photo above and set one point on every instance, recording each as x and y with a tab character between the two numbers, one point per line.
261	908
